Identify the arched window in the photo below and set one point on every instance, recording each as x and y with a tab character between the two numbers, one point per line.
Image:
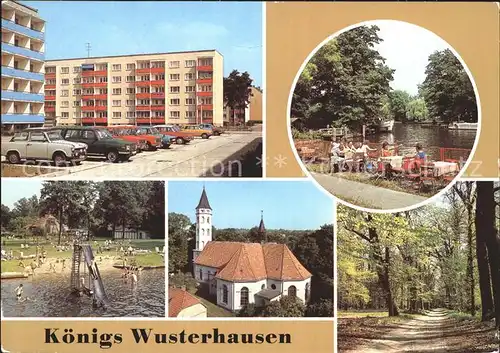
201	274
292	291
202	219
208	220
208	232
308	292
244	297
263	286
225	294
203	232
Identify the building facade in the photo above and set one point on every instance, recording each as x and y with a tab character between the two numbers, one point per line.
253	112
237	274
23	48
145	89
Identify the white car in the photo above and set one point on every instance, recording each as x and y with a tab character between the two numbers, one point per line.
44	144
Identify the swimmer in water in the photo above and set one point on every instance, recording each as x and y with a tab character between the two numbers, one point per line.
134	279
19	292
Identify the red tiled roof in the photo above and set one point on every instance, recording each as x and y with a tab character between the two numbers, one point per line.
239	262
178	300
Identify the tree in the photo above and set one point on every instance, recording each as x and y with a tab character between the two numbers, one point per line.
154	220
417	110
178	234
26	207
398	103
6	216
285	307
447	89
237	91
323	308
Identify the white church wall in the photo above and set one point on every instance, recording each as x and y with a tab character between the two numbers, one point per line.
299	285
220	294
274	285
253	288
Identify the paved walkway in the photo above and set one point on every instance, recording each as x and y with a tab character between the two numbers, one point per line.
366	195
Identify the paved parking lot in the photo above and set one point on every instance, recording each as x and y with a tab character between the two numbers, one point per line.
190	160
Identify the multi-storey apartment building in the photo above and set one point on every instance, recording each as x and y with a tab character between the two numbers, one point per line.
22	66
253	112
143	89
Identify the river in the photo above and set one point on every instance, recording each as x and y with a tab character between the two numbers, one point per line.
49	296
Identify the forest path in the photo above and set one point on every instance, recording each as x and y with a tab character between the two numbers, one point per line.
433	332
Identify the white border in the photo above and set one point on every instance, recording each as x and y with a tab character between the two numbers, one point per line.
264	95
309	175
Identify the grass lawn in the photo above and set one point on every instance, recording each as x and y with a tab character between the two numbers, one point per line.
144	260
361	313
213	310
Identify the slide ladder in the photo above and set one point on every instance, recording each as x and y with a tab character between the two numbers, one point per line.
75	268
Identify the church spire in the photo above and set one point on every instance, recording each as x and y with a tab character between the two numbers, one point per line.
262	228
203	201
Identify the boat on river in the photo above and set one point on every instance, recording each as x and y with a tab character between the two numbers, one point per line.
462	126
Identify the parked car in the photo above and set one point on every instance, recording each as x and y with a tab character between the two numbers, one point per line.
196	131
100	142
217	131
180	137
43	144
124	132
163	140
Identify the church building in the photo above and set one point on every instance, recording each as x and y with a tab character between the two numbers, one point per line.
238	273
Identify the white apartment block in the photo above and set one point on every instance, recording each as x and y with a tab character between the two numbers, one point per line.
23	47
143	89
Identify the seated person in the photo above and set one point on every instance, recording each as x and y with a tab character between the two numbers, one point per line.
365	148
420	152
386	152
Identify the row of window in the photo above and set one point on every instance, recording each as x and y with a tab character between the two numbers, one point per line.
244	293
118	79
118	115
132	102
174	64
173	101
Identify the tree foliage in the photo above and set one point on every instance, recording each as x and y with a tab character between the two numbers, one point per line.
237	90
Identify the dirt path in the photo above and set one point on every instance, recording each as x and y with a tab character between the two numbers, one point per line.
434	332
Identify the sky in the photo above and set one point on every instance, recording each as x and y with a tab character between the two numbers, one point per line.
298	205
135	27
14	189
406	48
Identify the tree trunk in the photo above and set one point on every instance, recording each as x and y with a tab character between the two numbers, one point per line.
60	225
123	230
470	261
485	218
391	305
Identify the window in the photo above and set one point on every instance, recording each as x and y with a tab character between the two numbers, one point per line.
130	66
190	89
50	82
65	70
225	294
65	104
38	137
201	274
22	136
77	69
308	292
65	81
190	114
130	78
208	220
190	63
175	89
175	101
77	92
76	103
77	80
175	114
263	286
50	70
117	91
105	79
64	93
116	67
117	114
117	79
244	297
190	101
292	291
158	64
174	64
205	88
64	115
130	114
188	76
117	103
202	219
129	102
130	91
76	114
175	77
273	286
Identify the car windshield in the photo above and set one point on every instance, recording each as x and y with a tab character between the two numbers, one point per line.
54	135
153	131
103	134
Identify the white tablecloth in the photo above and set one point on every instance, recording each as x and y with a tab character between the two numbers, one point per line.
394	161
441	168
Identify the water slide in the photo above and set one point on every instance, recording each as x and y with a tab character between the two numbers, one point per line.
99	292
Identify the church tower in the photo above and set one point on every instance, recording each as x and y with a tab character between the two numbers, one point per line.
262	229
203	224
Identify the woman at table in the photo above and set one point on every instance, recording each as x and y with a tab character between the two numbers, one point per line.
420	152
386	152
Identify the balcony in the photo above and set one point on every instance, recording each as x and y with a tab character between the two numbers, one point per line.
14	27
94	84
49	109
50	98
22	96
205	68
158	108
143	120
91	73
47	86
88	97
95	120
146	70
101	108
17	73
157	70
50	75
143	95
101	96
142	83
205	107
158	95
204	94
143	108
12	118
31	54
158	83
88	108
204	80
